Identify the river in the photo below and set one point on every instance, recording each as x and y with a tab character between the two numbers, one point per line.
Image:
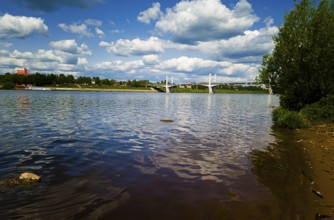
108	156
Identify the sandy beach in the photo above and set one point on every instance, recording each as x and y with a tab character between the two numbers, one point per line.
318	143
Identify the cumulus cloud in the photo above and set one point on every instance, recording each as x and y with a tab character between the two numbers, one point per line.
69	54
21	26
93	22
66	56
12	59
82	61
82	29
251	43
5	44
152	13
191	64
99	33
115	66
228	71
190	22
79	29
46	56
137	47
48	6
151	59
70	46
11	62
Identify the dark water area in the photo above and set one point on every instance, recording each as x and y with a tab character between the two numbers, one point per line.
108	156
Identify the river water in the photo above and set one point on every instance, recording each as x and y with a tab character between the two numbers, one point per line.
108	156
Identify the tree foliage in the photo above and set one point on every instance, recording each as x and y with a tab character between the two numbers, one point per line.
301	67
38	79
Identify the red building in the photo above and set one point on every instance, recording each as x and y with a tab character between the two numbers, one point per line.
24	71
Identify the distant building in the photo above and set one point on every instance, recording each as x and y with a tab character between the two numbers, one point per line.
20	71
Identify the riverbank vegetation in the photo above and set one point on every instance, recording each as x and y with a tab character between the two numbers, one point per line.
301	66
53	81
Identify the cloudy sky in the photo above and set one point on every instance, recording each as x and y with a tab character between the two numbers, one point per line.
146	39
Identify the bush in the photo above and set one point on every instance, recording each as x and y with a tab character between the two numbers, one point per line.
8	86
288	119
320	111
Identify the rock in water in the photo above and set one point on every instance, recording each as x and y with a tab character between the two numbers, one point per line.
24	179
166	120
29	177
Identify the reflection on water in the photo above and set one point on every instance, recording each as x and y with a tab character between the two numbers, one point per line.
107	155
282	167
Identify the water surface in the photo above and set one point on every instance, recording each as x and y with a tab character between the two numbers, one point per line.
108	155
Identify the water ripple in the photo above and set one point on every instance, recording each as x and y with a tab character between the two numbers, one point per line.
99	151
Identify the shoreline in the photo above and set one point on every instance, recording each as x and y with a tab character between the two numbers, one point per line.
100	90
246	92
318	145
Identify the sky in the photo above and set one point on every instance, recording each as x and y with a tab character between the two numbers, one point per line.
142	40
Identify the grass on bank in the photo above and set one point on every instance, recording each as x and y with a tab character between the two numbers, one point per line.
319	112
220	91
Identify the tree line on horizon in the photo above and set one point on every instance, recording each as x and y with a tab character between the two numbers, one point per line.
38	79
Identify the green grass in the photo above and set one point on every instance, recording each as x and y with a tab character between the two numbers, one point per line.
219	91
319	112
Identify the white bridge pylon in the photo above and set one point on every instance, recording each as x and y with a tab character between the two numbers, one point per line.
210	85
169	86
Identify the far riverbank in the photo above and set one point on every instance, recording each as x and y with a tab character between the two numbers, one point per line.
142	89
101	90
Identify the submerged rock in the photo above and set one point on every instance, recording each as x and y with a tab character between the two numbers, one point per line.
24	179
29	177
166	120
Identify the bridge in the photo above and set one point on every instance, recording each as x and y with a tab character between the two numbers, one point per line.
169	86
210	85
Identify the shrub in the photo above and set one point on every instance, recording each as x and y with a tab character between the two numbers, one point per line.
8	86
288	119
320	111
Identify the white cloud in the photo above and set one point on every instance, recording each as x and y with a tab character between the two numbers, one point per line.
251	43
70	46
11	62
66	56
82	61
5	44
104	44
150	59
138	47
21	55
46	56
190	22
119	65
117	31
79	29
194	66
152	13
21	26
191	64
93	22
99	33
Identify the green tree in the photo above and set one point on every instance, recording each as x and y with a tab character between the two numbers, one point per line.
301	66
97	80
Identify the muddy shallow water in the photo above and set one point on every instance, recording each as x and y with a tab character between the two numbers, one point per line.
109	156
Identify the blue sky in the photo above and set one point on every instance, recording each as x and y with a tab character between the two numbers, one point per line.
147	39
